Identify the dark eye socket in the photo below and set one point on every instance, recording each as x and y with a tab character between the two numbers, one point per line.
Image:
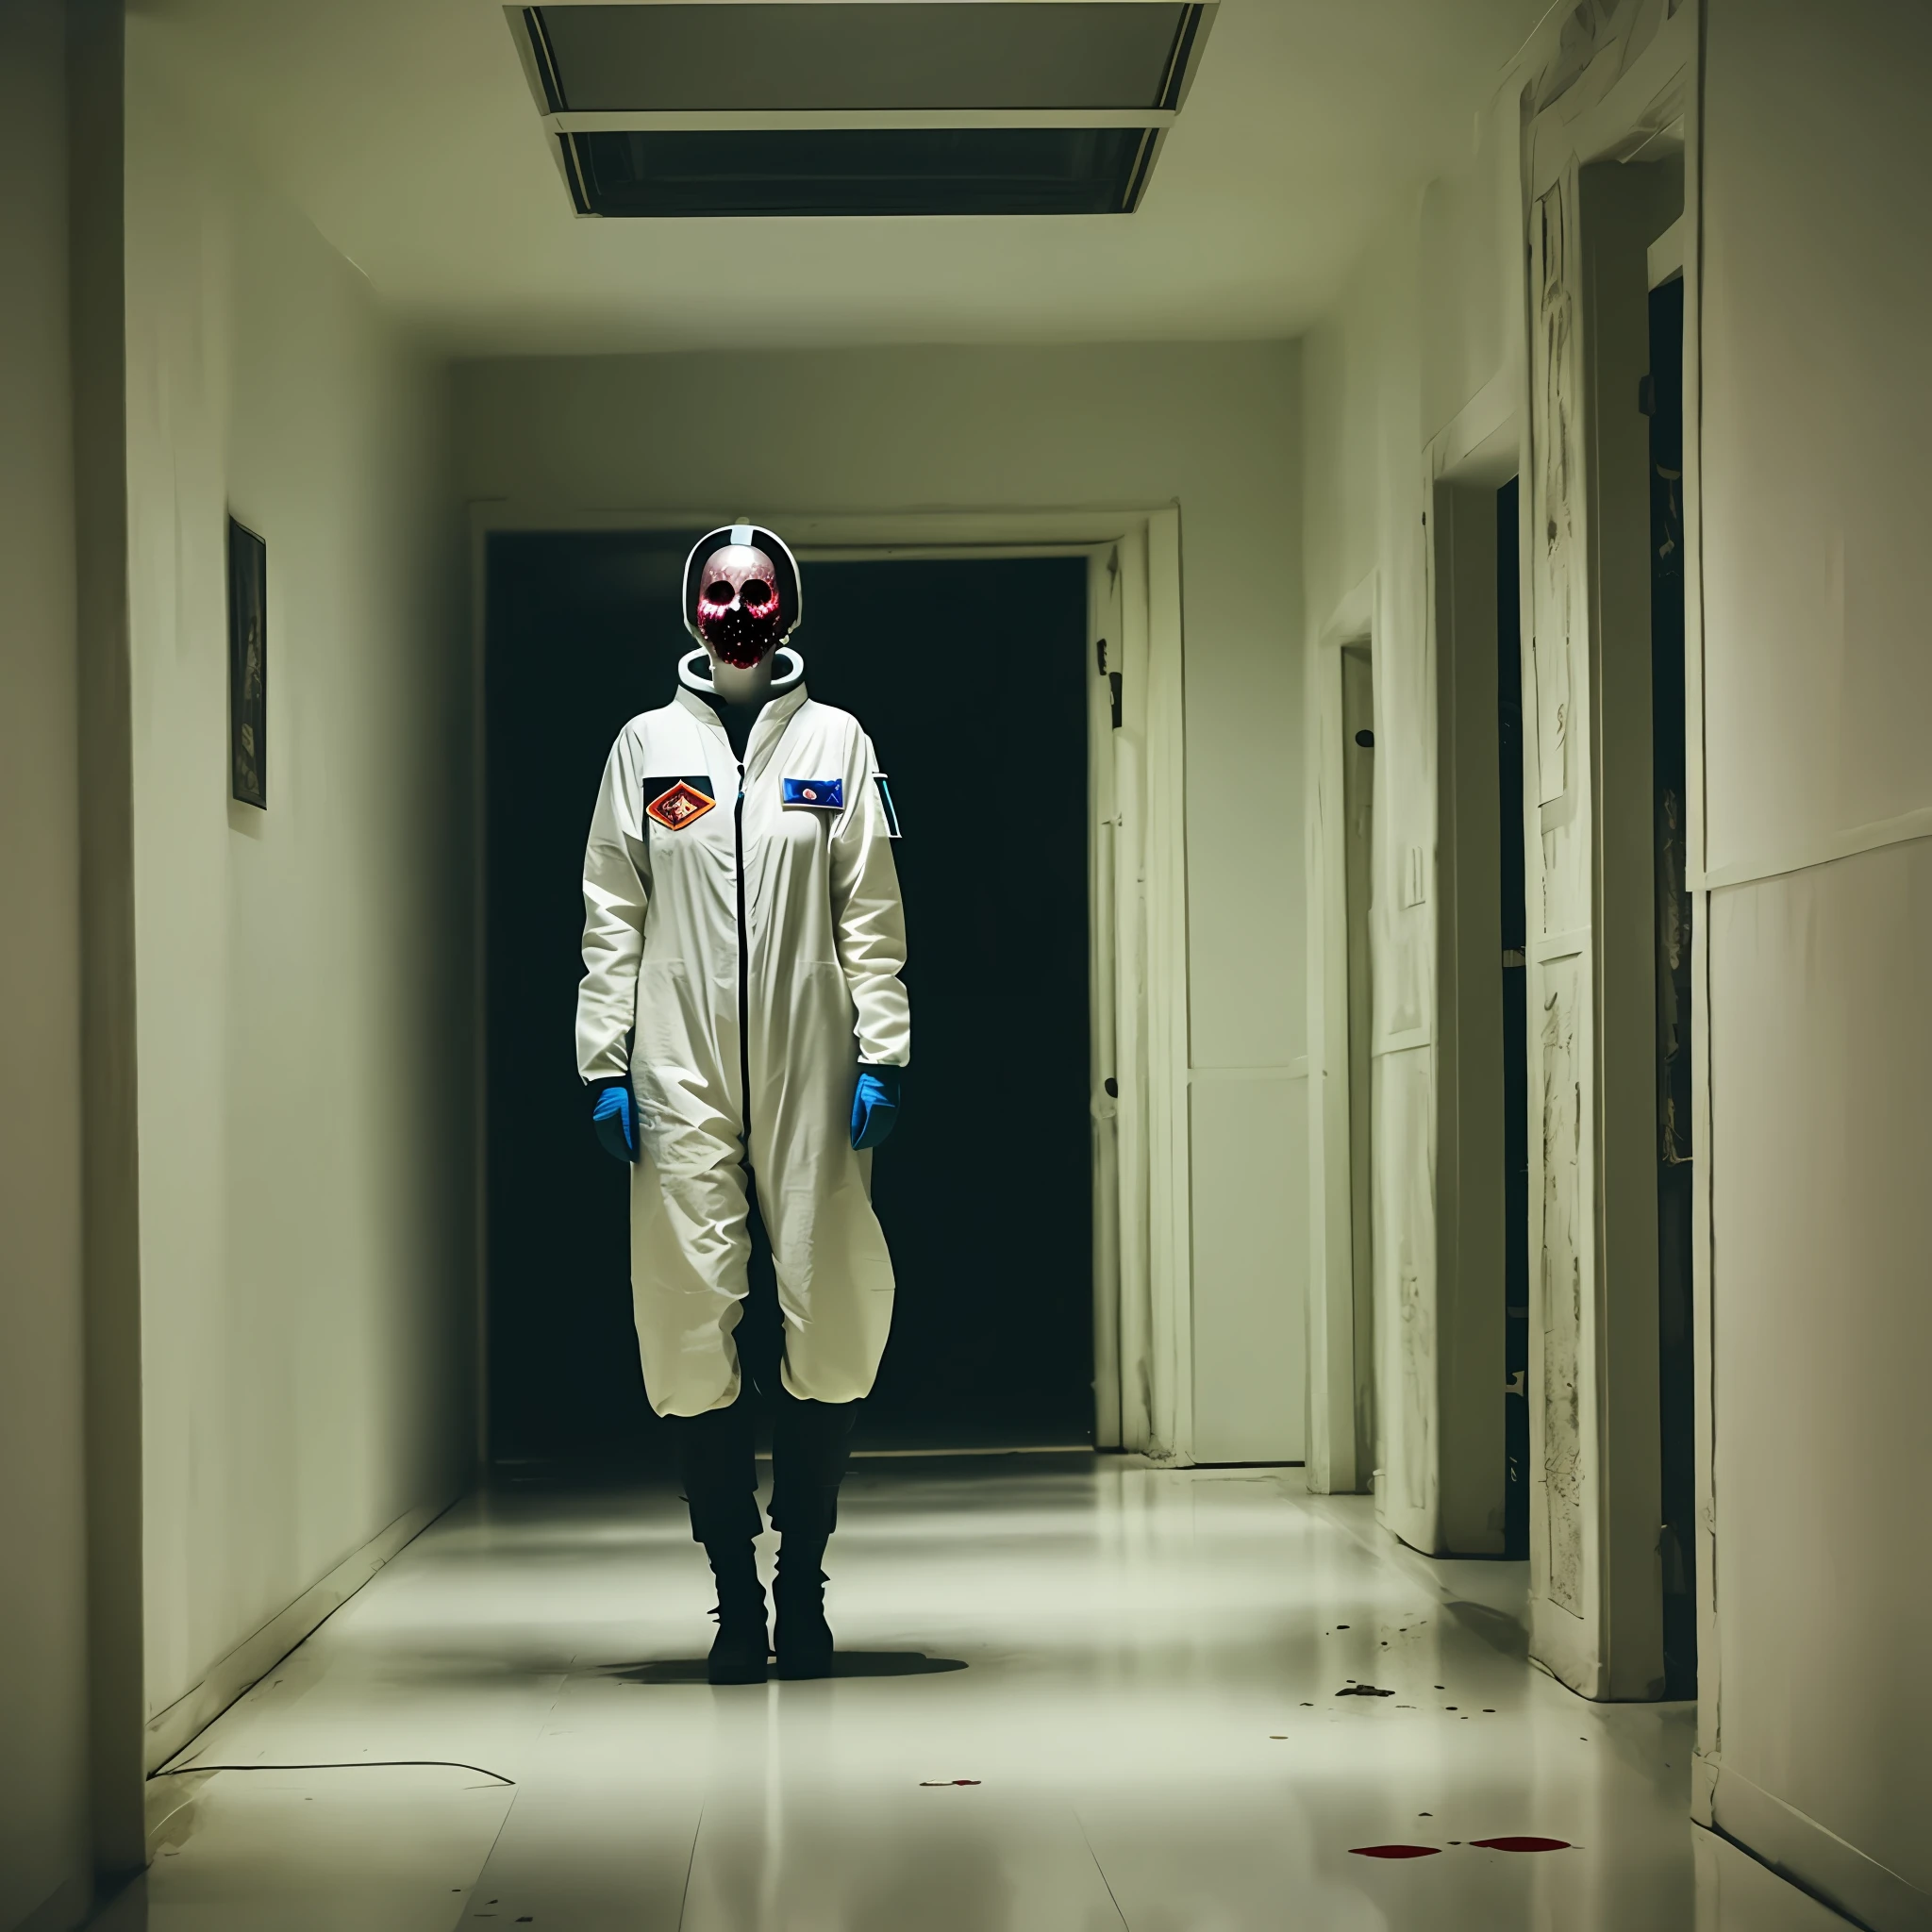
759	591
717	593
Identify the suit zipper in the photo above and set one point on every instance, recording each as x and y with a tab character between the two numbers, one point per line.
744	977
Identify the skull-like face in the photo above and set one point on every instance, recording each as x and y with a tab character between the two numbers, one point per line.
738	605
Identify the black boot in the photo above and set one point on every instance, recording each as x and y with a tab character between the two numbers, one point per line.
717	1460
743	1644
810	1441
803	1637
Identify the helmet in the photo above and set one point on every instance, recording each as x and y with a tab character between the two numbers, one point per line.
754	633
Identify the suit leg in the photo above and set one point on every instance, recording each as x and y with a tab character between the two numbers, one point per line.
689	1252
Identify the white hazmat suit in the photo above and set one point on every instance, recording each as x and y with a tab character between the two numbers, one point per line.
743	942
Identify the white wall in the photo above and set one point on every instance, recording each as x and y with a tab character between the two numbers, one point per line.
303	975
1816	416
1817	419
1416	379
1212	425
1424	325
44	1712
1363	551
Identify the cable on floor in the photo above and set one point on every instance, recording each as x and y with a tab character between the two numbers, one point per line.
353	1764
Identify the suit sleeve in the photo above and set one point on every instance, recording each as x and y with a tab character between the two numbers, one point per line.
615	896
870	921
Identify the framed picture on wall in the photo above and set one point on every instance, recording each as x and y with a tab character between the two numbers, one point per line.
247	666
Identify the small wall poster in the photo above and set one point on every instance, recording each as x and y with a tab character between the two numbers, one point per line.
247	666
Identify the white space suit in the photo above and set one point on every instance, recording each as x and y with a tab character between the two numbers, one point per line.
744	928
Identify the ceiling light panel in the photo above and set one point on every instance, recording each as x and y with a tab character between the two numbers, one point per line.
869	170
658	109
874	54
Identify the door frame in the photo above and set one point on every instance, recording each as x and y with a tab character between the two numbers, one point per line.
1358	666
1465	465
1142	1279
1458	1372
1333	1464
1595	1617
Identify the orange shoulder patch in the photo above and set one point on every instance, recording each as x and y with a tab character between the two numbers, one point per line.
683	805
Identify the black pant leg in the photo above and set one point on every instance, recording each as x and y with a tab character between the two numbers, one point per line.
810	1445
717	1461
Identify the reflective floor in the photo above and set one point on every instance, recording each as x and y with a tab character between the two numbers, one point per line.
1078	1695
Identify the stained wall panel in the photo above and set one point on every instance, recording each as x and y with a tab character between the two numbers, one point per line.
1557	560
1559	793
1557	1276
1408	1487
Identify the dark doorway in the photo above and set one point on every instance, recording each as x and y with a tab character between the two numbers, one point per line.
1665	398
1359	883
1514	937
970	677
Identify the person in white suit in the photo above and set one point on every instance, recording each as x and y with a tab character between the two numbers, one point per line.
742	1023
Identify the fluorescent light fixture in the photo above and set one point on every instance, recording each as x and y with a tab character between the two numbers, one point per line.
667	108
860	53
861	171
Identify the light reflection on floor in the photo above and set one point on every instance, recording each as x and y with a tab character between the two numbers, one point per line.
1146	1732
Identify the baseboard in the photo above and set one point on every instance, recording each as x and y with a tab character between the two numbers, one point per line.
1737	1892
1816	1859
252	1659
982	1450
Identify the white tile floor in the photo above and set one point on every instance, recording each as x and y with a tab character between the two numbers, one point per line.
1139	1727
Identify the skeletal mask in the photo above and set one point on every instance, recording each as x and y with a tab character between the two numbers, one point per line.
738	605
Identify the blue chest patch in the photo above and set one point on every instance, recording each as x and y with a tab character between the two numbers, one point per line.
817	794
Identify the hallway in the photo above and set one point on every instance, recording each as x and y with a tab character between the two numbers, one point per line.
1081	1692
1415	949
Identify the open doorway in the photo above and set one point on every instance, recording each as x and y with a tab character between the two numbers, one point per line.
1358	873
986	1191
1514	937
981	722
1664	398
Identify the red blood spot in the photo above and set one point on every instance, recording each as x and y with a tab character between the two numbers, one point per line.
1522	1844
1393	1851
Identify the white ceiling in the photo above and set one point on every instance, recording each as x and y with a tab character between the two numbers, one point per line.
406	130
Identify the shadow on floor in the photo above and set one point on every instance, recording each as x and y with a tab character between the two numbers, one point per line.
1497	1628
848	1663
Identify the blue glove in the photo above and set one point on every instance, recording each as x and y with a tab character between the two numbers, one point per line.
875	1106
614	1117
